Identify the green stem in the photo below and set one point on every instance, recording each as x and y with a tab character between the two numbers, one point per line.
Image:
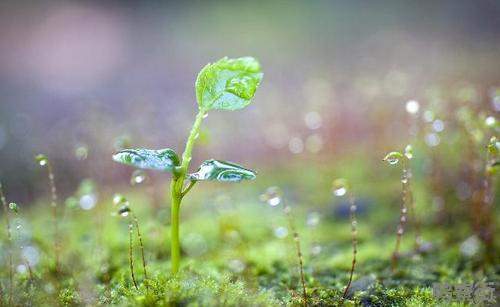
176	193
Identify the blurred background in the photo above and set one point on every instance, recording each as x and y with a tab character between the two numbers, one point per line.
81	79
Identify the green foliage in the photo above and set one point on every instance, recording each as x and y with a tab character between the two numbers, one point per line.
228	84
222	171
162	159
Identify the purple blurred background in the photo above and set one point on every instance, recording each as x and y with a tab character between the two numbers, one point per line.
82	77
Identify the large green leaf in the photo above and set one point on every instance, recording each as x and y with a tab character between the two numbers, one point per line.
222	171
161	159
228	84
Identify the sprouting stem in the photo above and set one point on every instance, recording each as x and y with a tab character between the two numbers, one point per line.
139	236
354	235
131	254
403	213
9	240
288	213
53	192
177	193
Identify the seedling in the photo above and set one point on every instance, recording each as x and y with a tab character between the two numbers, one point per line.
126	211
394	158
44	161
228	84
340	188
9	242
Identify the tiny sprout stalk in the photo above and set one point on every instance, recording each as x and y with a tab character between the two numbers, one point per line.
288	213
403	213
354	236
177	192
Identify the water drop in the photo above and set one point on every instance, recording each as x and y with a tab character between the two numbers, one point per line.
490	121
119	199
88	201
404	179
393	157
81	152
138	177
404	210
400	231
42	160
18	226
272	196
124	210
339	187
280	232
205	115
412	106
13	207
409	151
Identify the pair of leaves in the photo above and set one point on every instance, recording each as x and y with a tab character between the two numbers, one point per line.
167	160
228	84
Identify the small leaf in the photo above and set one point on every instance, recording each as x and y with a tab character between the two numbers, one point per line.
222	171
228	84
161	159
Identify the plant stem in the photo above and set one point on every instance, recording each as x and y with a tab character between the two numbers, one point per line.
176	193
53	204
141	245
131	254
9	239
354	233
403	213
288	213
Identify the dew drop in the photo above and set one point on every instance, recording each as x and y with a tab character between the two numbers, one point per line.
81	152
138	177
13	207
124	211
119	199
339	187
272	196
205	115
409	151
412	106
42	160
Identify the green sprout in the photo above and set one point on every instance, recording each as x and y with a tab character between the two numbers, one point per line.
228	84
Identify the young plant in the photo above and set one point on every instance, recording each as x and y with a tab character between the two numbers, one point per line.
228	84
340	188
44	161
9	242
394	158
